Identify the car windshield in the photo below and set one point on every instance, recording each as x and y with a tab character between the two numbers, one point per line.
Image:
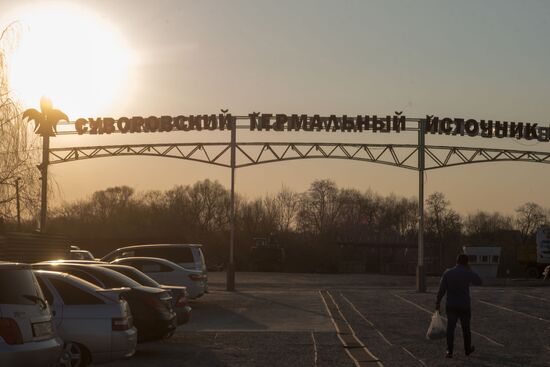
109	278
177	254
137	275
86	255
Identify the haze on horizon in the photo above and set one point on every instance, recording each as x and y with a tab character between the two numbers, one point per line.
484	60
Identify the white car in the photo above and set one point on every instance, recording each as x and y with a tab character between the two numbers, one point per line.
81	255
95	323
168	273
27	333
188	256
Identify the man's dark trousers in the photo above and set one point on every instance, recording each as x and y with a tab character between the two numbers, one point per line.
453	315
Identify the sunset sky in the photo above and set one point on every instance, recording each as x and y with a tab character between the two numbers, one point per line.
472	59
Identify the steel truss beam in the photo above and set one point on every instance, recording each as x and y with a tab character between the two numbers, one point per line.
253	153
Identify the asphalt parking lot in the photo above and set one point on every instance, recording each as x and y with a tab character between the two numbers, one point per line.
348	320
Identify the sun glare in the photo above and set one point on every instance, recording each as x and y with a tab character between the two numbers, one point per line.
70	55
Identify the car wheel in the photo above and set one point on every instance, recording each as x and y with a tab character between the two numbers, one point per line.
75	355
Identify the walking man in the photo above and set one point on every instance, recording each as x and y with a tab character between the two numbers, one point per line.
455	282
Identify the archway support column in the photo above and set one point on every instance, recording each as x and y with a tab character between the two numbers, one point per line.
420	270
44	177
231	263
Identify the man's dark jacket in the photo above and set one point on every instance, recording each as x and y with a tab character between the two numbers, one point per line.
456	283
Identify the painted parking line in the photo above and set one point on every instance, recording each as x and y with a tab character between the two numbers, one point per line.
379	332
492	341
535	297
514	311
315	354
354	347
415	357
366	320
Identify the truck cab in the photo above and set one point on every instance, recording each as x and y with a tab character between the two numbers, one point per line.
267	254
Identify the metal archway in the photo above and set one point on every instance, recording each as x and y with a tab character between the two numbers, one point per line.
254	153
418	157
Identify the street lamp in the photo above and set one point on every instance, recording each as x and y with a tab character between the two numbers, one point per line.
17	200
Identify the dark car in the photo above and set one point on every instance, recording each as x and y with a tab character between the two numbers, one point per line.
179	294
151	307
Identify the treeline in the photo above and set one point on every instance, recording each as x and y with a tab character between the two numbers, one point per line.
308	224
19	178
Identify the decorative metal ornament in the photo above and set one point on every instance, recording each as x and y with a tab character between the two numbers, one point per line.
45	121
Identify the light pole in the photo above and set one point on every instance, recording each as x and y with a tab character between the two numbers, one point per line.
231	263
18	202
420	270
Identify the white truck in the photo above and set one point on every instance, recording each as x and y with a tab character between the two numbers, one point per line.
536	259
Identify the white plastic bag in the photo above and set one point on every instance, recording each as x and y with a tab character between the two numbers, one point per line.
437	329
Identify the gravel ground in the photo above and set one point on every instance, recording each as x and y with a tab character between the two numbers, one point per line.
292	320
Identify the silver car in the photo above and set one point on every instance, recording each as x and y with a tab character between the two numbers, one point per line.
95	323
168	273
188	256
27	333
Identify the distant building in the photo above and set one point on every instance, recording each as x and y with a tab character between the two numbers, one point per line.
484	260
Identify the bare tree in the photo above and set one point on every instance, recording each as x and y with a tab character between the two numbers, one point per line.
397	216
18	145
529	217
319	207
442	222
288	202
482	223
209	202
442	219
110	202
282	209
256	217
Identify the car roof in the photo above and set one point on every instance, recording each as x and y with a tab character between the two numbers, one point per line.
161	245
12	265
157	259
91	266
114	266
69	261
51	273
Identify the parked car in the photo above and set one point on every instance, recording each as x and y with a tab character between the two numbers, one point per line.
151	308
169	273
95	324
179	293
69	261
27	332
189	256
81	255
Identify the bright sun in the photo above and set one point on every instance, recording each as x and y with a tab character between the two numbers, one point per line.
70	55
